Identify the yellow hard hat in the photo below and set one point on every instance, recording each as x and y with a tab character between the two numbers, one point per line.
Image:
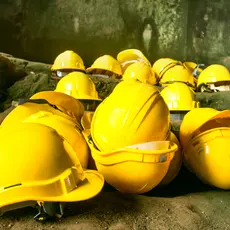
134	169
162	65
133	113
108	63
179	97
212	75
207	155
63	102
130	56
78	85
141	72
64	125
175	164
68	60
50	99
177	73
199	117
39	168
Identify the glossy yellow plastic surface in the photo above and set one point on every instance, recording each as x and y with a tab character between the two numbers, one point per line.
86	119
135	169
64	125
133	113
175	164
179	97
208	157
129	56
142	72
41	169
68	60
65	103
106	62
78	85
207	118
177	73
213	73
162	65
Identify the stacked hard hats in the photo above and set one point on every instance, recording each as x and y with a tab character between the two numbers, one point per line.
67	62
106	65
81	87
205	137
44	154
130	138
180	99
214	78
169	70
129	56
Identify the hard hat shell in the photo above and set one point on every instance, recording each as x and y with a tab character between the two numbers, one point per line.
208	156
175	164
212	74
68	60
64	102
129	56
64	125
133	113
201	117
106	62
142	72
39	168
179	97
135	169
177	73
162	65
78	85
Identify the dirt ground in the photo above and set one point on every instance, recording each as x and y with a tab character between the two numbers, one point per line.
185	204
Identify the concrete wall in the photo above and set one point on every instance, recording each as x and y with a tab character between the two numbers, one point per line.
182	29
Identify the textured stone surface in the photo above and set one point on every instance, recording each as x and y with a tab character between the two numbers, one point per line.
41	30
183	29
208	31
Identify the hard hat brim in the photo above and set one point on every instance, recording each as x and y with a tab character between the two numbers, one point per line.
89	188
203	127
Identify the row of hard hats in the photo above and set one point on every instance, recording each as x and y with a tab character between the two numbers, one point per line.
126	117
128	140
132	63
52	136
180	99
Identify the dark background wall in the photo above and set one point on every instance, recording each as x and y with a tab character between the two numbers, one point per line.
183	29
